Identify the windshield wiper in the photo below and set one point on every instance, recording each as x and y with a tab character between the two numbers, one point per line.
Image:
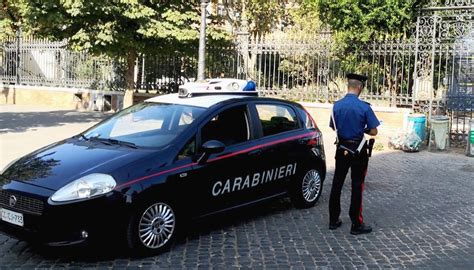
81	136
109	141
129	144
102	140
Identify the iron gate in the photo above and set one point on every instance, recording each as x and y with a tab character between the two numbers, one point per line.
444	62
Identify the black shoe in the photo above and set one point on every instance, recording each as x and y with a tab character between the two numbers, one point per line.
361	229
333	226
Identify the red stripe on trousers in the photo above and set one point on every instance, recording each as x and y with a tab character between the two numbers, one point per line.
361	219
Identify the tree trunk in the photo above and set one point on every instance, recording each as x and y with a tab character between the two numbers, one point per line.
130	78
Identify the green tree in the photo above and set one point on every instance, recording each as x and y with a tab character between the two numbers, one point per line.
357	22
11	14
259	17
118	28
302	18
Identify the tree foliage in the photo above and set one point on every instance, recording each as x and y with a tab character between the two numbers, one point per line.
115	27
357	22
261	16
302	18
11	14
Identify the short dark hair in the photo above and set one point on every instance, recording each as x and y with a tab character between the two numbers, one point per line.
351	83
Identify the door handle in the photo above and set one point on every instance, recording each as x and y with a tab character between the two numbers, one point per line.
257	152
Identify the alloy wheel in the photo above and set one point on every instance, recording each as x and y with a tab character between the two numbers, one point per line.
311	185
156	225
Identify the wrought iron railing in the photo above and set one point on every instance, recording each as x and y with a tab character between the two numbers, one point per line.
31	61
306	69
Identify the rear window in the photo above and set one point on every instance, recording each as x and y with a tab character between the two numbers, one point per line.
276	119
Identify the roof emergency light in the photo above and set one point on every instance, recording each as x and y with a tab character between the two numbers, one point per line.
218	87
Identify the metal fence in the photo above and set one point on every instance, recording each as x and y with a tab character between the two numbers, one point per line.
162	73
445	59
305	69
298	68
32	61
295	68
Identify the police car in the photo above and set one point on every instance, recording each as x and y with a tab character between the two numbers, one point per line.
148	169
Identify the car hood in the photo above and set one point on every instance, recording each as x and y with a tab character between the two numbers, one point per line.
56	165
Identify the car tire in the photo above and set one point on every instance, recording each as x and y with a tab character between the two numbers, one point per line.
306	190
152	228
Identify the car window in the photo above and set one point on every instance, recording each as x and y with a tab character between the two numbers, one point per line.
147	124
276	118
308	121
231	127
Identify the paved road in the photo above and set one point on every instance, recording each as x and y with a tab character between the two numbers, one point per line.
26	128
420	204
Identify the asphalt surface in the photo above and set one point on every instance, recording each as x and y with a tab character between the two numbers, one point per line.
420	205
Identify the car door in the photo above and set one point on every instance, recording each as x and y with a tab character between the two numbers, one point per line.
279	130
222	180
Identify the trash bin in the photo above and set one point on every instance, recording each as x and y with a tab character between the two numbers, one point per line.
439	128
416	122
470	140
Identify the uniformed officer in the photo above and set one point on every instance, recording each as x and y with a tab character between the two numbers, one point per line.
352	118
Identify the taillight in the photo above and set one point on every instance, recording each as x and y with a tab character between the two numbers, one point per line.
316	139
316	144
313	142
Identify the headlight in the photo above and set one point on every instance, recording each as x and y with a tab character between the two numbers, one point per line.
86	187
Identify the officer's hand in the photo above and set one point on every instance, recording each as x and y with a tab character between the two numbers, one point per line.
371	132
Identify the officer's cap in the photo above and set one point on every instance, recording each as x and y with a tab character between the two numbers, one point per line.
353	76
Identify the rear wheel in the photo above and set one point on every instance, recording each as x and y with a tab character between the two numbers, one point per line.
307	189
152	228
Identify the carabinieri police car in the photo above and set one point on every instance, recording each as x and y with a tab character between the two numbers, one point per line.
150	168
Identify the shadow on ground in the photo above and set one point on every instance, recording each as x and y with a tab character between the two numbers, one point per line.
22	121
113	250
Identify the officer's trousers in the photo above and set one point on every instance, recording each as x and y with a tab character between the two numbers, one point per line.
358	165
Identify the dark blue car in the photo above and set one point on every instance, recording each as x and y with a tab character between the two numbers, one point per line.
148	169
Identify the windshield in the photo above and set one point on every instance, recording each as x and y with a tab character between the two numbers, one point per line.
145	124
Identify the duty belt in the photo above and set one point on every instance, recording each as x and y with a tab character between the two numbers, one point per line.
350	141
369	145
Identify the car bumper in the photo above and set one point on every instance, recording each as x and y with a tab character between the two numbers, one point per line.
70	224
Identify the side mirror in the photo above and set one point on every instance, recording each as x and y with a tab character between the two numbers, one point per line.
213	147
210	147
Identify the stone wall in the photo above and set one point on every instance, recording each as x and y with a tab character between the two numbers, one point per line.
67	98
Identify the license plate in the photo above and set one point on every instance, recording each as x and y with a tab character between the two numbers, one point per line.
11	217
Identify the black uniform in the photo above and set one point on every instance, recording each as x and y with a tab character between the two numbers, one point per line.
352	117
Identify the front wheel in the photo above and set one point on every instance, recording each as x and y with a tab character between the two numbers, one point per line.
307	189
152	228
